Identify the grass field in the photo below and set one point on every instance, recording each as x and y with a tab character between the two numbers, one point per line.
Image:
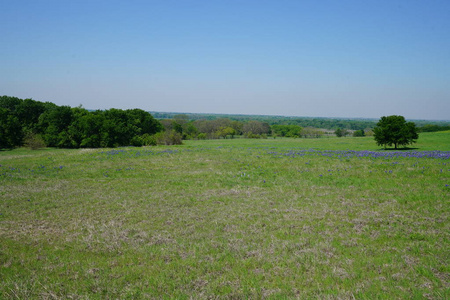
331	218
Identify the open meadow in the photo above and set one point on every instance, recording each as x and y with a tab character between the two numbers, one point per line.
329	218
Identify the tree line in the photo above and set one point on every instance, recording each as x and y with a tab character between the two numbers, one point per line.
38	123
347	125
324	123
229	128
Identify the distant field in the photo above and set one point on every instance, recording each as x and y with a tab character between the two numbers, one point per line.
330	218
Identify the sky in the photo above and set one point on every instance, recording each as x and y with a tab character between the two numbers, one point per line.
349	59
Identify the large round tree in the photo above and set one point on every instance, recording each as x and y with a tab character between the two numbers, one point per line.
394	130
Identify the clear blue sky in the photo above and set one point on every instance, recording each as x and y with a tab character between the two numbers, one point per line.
303	58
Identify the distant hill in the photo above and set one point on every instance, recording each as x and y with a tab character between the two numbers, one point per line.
317	122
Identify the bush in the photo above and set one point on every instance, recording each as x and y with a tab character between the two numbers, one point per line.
34	141
170	137
137	141
359	133
201	136
250	135
368	132
148	140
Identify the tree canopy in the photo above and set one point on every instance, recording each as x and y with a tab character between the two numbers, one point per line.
67	127
394	130
287	130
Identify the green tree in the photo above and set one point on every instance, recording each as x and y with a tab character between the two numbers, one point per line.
177	127
286	130
90	125
191	131
223	132
144	121
116	129
359	133
311	132
237	126
54	124
10	103
11	133
28	112
394	130
340	132
256	127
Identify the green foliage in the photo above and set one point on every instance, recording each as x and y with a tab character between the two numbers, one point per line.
177	127
224	132
359	133
310	132
10	103
144	121
394	130
191	130
148	140
286	130
137	141
66	127
256	128
368	132
90	129
34	141
201	136
211	126
340	132
11	132
54	125
170	137
251	135
433	128
326	123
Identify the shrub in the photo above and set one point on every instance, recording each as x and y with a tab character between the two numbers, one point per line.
359	133
137	141
170	137
34	141
201	136
148	140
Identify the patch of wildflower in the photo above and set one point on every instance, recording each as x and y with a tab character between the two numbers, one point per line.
13	172
347	154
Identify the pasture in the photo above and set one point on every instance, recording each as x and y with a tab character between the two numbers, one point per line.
330	218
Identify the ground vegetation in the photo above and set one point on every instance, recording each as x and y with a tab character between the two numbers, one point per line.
333	218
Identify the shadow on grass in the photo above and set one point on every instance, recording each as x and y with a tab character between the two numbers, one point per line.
23	149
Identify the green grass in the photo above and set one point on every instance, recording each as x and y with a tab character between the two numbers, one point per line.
226	219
